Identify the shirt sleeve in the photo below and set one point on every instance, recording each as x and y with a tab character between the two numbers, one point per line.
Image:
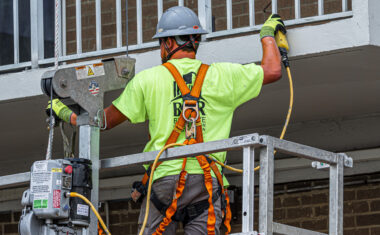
131	102
241	82
247	81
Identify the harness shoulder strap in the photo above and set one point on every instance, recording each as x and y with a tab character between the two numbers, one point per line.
178	78
196	90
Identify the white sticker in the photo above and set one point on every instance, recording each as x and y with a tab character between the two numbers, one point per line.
40	182
40	196
59	182
89	71
40	166
82	210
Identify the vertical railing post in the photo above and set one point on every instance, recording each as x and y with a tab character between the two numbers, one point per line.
63	20
274	6
89	149
266	189
248	189
251	13
40	18
98	12
159	9
34	33
297	8
205	14
344	5
118	24
78	26
229	14
336	197
16	50
321	7
139	22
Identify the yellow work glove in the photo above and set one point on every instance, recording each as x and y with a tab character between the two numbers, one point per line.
60	110
271	26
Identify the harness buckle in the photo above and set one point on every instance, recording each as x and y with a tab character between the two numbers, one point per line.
191	130
191	105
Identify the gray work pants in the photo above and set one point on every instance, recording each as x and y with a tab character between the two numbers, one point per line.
194	191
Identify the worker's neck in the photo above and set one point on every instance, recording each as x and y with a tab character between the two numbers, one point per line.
183	54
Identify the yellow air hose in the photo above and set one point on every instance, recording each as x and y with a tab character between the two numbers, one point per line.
74	194
289	110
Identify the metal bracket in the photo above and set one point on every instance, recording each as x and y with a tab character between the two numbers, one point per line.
125	68
320	165
85	85
347	162
246	139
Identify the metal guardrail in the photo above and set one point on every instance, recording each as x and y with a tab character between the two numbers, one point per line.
253	145
204	13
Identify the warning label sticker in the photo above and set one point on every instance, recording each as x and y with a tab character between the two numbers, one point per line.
56	170
40	182
82	210
89	71
40	200
40	166
57	198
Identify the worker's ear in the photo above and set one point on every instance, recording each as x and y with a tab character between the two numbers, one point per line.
172	44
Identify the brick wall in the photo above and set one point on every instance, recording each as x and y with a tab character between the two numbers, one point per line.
149	20
301	204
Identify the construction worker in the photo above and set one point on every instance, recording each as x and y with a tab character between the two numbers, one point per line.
155	95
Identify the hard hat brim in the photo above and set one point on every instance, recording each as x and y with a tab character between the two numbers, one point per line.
177	32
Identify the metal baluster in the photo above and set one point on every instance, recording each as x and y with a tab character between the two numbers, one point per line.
344	5
320	7
40	32
139	22
229	14
78	26
98	10
63	44
297	8
159	9
205	14
274	6
119	37
34	32
251	13
16	44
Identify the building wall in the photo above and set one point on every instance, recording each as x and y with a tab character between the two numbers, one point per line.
302	204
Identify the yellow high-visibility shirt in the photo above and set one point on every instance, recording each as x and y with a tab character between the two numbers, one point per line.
153	95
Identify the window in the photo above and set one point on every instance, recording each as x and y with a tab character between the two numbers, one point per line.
7	30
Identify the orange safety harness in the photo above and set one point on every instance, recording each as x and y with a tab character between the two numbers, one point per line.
190	121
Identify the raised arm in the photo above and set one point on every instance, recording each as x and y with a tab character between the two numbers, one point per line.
271	61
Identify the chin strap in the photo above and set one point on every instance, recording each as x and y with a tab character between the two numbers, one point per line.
193	42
